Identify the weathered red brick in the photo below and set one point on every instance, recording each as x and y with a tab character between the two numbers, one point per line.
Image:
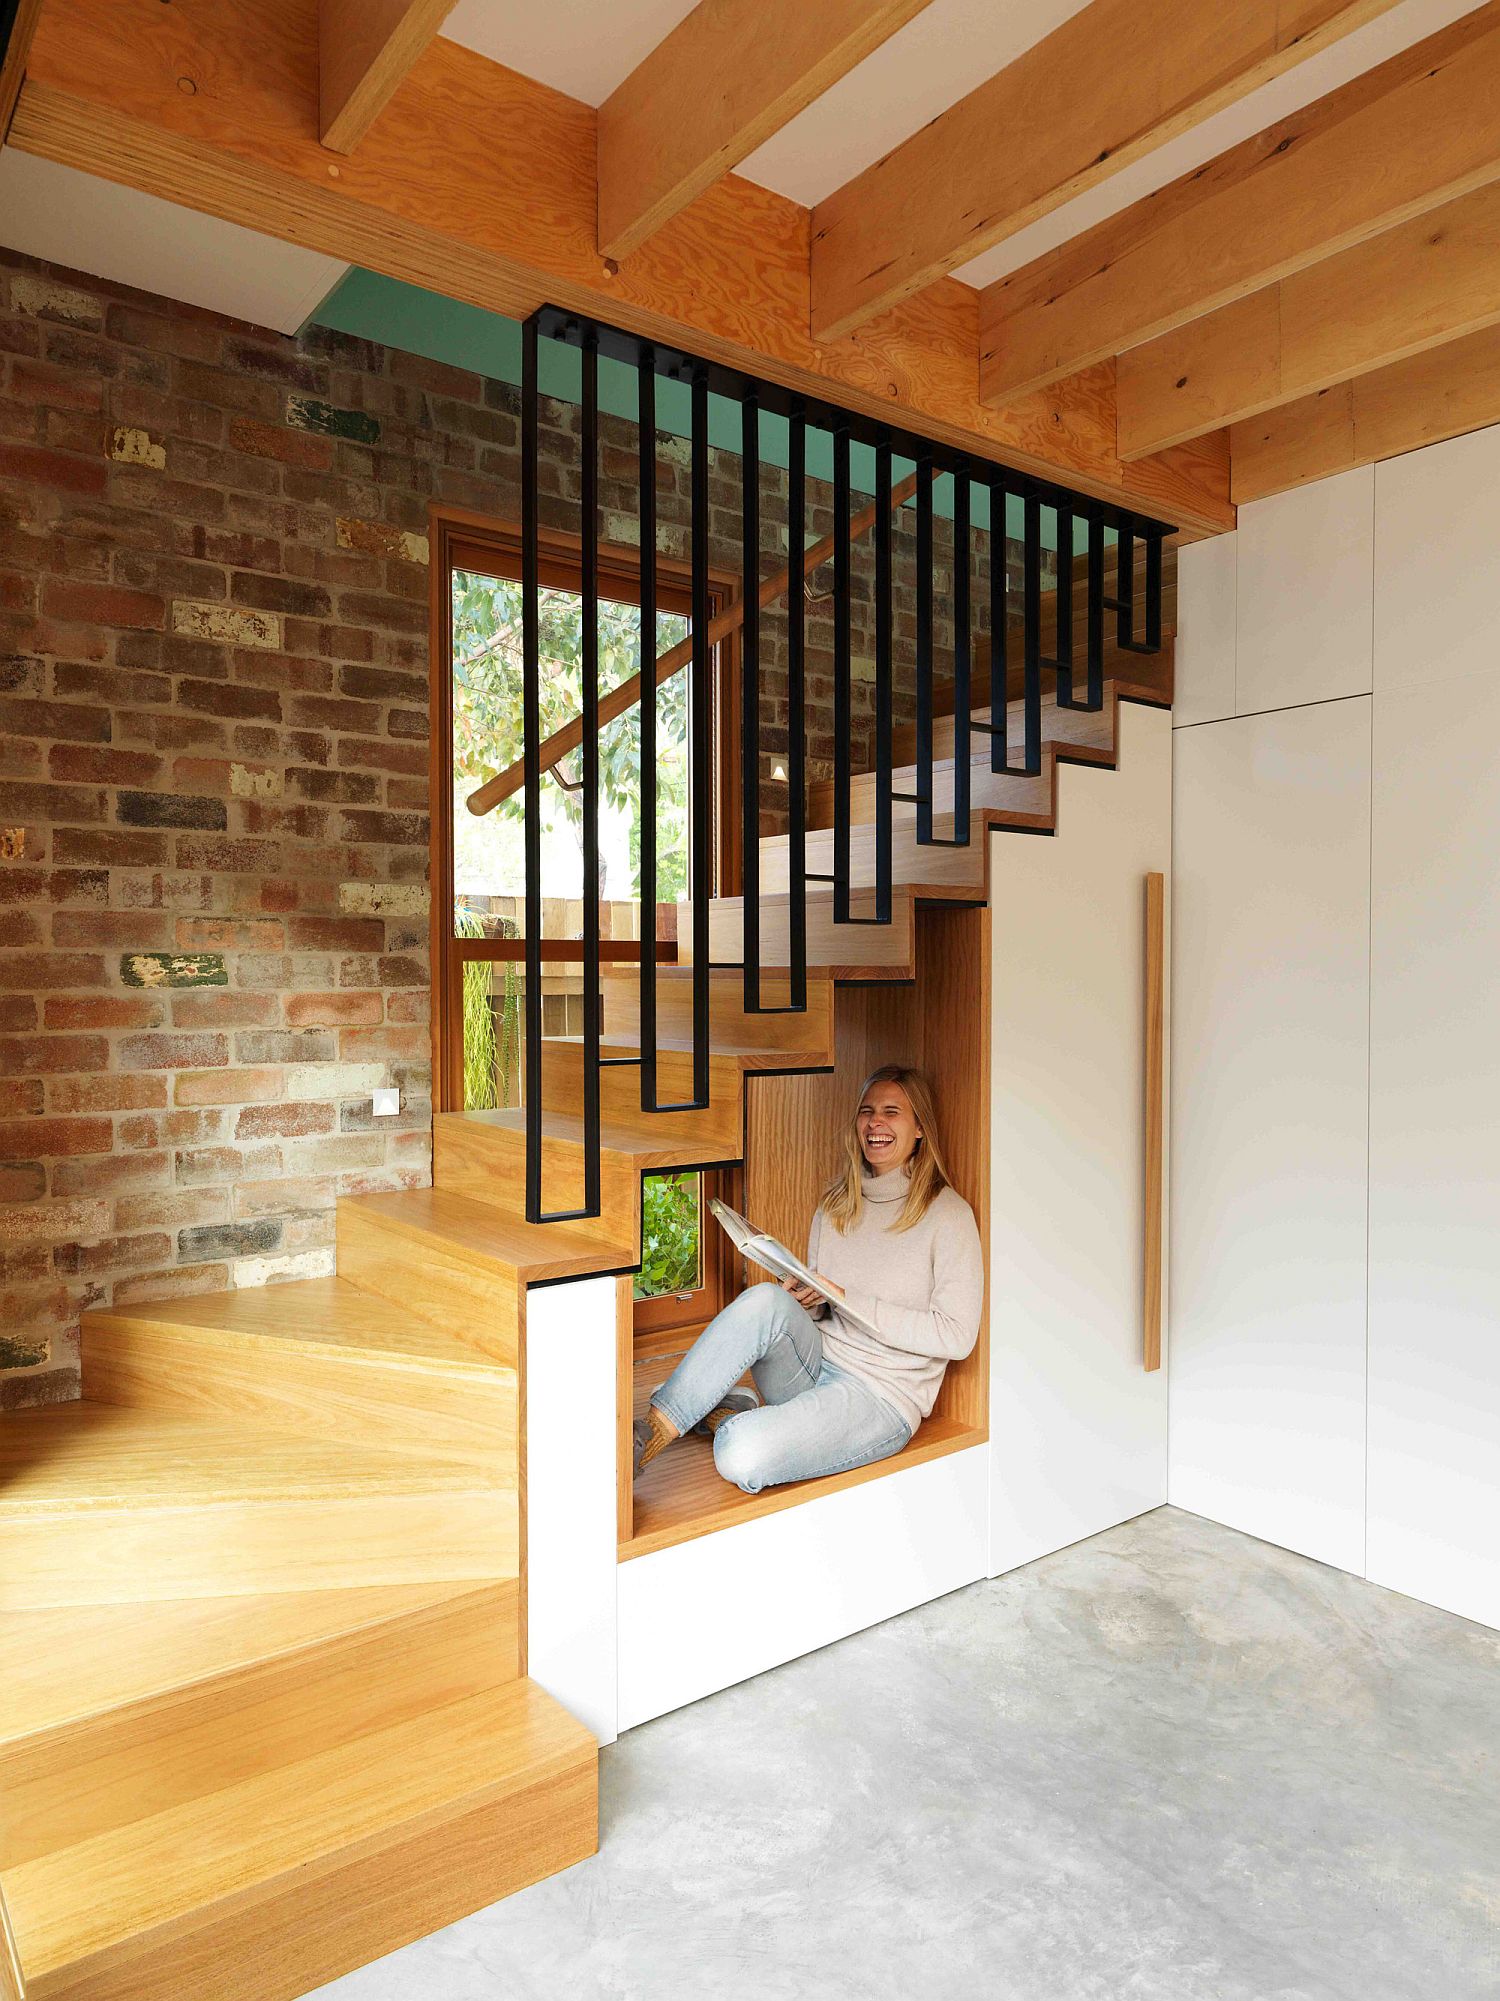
102	604
127	930
225	1087
283	1121
334	1010
22	1138
110	1093
127	1253
59	472
169	1051
52	1055
101	1011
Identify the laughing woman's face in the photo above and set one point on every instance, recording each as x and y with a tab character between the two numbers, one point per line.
887	1127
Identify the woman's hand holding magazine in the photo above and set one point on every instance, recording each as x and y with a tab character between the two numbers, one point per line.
773	1256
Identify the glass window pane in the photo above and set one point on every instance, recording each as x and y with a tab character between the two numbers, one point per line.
489	852
671	1235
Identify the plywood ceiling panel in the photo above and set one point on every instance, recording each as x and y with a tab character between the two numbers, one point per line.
585	49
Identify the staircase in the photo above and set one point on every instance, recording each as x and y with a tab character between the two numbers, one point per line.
263	1701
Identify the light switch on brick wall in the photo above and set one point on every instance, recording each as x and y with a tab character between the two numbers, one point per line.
386	1104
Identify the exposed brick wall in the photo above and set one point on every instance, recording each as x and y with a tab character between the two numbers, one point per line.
213	754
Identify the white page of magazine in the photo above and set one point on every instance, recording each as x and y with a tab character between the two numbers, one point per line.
773	1256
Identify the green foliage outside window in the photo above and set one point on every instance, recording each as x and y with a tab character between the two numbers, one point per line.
669	1235
487	723
492	1024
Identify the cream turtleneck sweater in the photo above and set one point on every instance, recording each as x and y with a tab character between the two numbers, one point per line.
922	1287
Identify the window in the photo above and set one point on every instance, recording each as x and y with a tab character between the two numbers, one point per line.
479	862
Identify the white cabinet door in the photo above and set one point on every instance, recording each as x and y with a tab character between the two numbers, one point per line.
1270	1078
1077	1425
1434	1490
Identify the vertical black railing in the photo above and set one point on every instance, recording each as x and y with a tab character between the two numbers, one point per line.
755	399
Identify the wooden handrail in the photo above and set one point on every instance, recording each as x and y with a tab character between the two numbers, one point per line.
618	700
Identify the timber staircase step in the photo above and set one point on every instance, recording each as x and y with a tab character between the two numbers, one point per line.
316	1356
298	1872
65	1668
203	1693
103	1504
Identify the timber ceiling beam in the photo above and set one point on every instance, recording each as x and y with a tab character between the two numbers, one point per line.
15	45
1439	394
1412	134
729	75
366	48
480	184
1115	81
1430	281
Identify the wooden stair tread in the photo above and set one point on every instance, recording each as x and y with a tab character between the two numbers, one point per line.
61	1664
325	1314
639	1139
66	1458
483	1235
681	1495
681	1044
219	1850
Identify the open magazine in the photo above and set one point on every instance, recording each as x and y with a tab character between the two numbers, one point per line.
773	1256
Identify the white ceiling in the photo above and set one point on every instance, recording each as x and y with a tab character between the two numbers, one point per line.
67	217
585	48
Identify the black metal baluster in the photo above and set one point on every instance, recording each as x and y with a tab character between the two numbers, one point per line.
883	703
1062	660
531	753
996	727
646	474
589	507
1031	631
922	798
1094	603
842	750
1153	590
700	748
750	700
796	718
962	671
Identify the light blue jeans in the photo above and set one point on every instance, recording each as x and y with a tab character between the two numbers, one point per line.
814	1418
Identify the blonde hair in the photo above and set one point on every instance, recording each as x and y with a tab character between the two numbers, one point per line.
844	1196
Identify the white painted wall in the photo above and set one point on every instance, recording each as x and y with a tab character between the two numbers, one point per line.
1271	996
1077	1425
702	1615
571	1538
1271	900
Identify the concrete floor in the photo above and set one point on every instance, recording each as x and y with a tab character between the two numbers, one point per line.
1168	1764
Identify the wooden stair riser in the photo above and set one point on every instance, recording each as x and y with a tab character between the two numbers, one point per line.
1083	730
620	1090
10	1958
117	1554
293	1877
65	1784
399	1404
843	951
488	1165
471	1299
730	1027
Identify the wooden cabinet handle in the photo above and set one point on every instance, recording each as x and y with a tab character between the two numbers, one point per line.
1154	1069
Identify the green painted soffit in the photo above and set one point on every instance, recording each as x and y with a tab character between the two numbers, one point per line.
398	315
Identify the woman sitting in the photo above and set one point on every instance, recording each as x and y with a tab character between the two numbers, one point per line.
899	1243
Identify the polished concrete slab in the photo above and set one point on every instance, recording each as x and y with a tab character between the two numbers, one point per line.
1168	1764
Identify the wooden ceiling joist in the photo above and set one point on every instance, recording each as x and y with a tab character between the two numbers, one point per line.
366	48
1118	79
14	48
1407	136
1435	395
1432	280
480	185
729	75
